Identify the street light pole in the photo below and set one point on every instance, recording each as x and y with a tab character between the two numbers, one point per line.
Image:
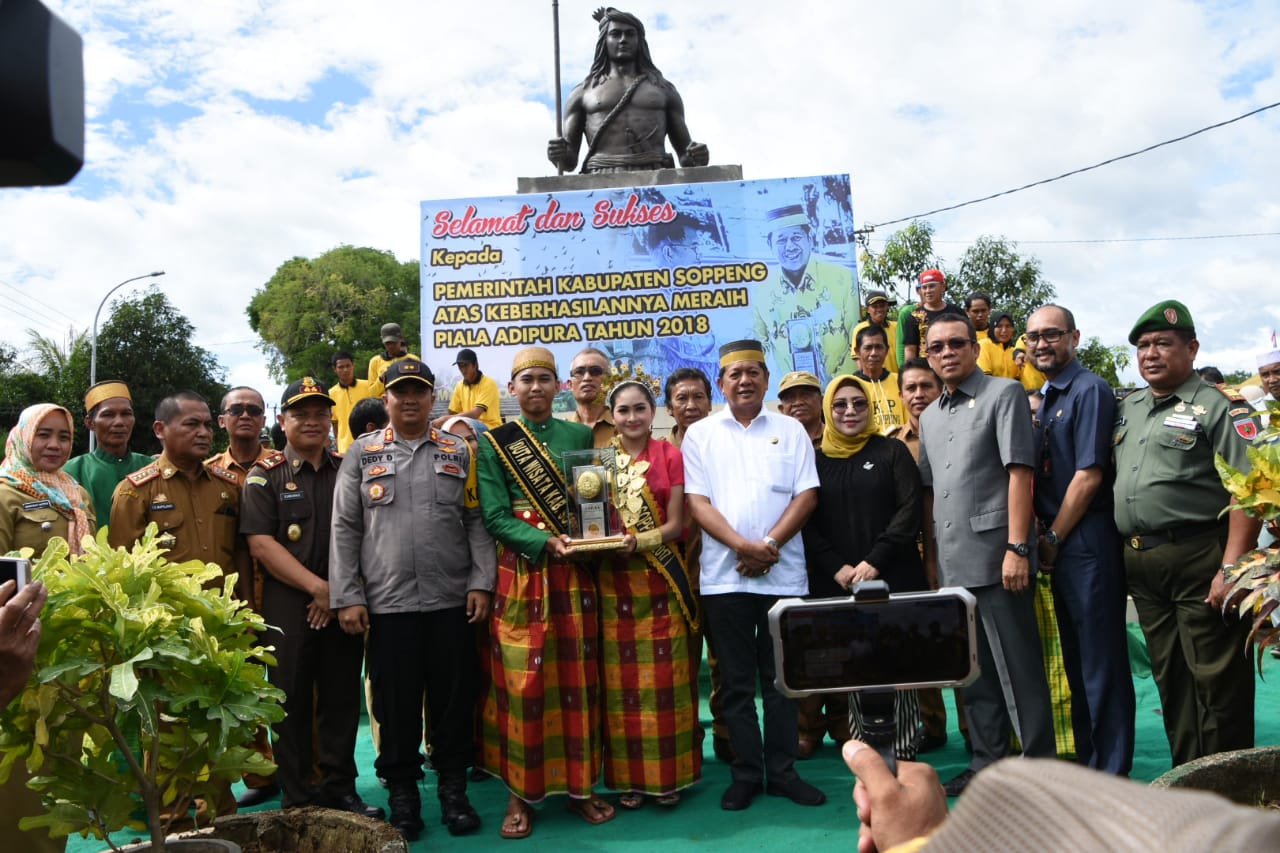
93	341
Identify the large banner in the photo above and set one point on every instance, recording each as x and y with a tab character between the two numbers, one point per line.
654	276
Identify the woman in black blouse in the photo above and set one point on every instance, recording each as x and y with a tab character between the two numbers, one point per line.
870	500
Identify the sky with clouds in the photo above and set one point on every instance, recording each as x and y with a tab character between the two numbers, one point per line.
225	138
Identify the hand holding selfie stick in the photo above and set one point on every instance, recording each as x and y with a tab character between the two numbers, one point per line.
879	725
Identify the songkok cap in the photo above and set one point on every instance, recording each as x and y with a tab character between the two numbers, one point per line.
105	390
786	217
466	356
932	277
1269	358
306	388
391	332
533	357
1170	314
407	369
799	379
744	350
876	296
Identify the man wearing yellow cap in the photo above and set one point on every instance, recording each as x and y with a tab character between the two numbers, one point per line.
541	714
110	418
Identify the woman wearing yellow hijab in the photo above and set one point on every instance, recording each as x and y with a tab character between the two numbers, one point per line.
870	500
38	501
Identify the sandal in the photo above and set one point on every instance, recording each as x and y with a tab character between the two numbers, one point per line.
593	810
631	800
668	800
518	822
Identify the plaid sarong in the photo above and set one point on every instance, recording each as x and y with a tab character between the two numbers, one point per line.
541	717
649	666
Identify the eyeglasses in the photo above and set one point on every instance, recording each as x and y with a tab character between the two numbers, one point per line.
238	409
856	405
583	370
957	344
1049	336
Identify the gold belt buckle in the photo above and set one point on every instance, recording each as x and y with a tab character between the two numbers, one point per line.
1136	543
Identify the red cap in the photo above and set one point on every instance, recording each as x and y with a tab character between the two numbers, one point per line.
933	277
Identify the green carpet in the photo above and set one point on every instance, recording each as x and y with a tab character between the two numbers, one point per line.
771	823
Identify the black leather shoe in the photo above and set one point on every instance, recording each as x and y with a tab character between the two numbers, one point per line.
955	786
925	742
797	791
739	795
352	803
406	809
723	749
456	812
257	796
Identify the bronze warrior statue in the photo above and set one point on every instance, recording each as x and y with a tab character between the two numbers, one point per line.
625	107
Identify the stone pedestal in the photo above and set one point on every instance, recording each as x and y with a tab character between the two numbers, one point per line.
646	178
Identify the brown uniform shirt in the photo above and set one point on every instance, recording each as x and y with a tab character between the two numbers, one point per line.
287	499
201	517
603	431
30	522
226	460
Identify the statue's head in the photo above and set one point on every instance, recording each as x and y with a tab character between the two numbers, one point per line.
621	39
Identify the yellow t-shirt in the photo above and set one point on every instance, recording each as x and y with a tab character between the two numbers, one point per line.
377	365
996	360
483	393
345	400
891	331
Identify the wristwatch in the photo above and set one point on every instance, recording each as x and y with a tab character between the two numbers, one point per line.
770	541
1019	548
1050	537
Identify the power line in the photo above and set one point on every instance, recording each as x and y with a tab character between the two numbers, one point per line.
1107	162
1119	239
33	299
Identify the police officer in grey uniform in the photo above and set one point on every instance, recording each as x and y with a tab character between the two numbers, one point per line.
412	562
286	508
1168	505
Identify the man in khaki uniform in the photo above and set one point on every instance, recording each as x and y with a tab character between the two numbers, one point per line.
586	380
194	503
1169	506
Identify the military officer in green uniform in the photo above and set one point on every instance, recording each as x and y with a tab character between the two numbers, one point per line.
1168	507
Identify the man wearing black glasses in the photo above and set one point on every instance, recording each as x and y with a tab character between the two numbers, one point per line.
1079	540
243	415
586	381
977	455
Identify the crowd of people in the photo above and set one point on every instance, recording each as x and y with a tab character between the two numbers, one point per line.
438	555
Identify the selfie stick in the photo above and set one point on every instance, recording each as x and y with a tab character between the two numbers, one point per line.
879	726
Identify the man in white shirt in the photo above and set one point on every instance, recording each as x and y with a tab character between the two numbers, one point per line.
751	483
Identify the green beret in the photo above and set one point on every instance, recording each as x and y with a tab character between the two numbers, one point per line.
1170	314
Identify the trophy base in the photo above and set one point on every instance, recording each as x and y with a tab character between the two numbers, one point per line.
599	543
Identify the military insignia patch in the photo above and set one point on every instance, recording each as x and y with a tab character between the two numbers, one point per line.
293	487
1246	428
451	468
1235	413
1170	316
376	491
377	470
256	481
374	448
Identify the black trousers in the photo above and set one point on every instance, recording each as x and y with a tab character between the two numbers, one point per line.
319	672
739	622
410	653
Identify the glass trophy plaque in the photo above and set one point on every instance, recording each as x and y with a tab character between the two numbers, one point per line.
589	476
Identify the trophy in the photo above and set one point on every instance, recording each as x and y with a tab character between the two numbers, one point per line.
589	476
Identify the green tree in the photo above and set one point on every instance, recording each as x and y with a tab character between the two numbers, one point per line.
1015	283
897	267
337	301
1103	360
1236	378
147	343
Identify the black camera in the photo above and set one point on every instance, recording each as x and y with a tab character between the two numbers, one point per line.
875	643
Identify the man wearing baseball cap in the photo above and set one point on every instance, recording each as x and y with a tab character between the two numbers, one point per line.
394	349
476	396
412	563
800	397
878	315
933	304
1170	509
286	513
